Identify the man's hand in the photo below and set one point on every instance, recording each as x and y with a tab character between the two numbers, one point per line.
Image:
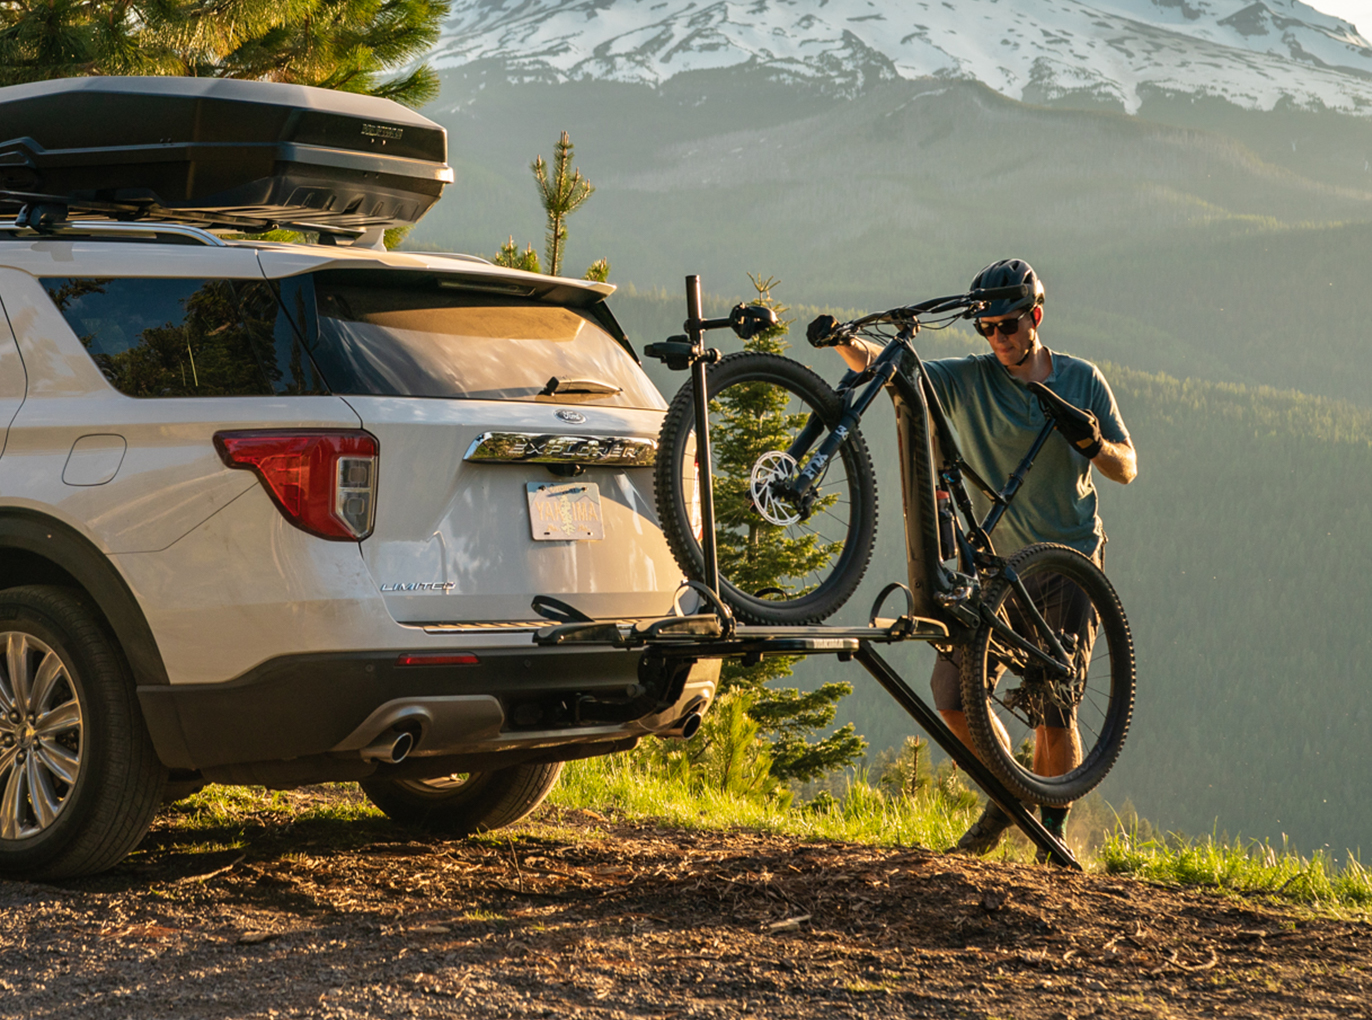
822	332
1078	426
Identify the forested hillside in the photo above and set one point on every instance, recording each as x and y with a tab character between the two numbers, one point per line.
1172	248
1240	556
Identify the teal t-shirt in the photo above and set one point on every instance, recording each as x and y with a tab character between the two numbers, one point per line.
996	419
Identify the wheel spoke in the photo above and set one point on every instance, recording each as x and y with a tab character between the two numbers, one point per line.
50	670
16	661
43	761
12	802
59	761
62	718
41	794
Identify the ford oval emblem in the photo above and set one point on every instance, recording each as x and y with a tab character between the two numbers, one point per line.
572	417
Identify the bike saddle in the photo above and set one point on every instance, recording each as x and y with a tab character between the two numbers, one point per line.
1057	408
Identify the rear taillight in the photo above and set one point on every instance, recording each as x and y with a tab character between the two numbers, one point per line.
323	481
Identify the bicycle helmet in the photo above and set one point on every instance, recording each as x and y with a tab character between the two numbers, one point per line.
1008	273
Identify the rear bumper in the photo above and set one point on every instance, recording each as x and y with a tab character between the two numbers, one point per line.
318	709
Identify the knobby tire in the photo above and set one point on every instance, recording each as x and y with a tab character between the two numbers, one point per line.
819	594
1104	705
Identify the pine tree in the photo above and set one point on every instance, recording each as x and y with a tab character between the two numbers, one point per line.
746	423
561	194
339	44
512	258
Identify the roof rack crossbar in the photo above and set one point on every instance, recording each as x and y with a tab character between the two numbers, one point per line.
79	228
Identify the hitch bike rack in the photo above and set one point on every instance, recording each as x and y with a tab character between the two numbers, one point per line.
715	634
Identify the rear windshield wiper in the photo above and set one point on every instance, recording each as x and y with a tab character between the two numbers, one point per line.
585	389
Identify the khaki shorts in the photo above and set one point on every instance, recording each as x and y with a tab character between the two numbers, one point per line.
1066	608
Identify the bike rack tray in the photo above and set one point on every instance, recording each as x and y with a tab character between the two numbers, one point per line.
710	635
742	639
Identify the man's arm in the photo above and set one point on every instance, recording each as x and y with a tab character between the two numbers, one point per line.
1117	461
858	353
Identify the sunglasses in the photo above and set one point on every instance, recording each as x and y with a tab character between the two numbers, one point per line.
1007	327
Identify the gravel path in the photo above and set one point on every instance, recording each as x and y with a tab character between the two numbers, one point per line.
576	916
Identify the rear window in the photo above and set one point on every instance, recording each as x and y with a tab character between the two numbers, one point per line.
413	335
187	337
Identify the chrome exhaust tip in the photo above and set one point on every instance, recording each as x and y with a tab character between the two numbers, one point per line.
683	729
392	748
690	726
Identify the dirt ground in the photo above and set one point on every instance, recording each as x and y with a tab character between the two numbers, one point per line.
576	916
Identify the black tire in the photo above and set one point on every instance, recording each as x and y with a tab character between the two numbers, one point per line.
465	803
79	779
846	525
1064	586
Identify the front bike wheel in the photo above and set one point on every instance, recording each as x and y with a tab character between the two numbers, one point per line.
1010	698
778	563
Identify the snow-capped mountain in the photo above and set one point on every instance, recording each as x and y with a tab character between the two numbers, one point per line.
1254	53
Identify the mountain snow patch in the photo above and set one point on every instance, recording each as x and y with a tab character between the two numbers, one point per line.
1254	53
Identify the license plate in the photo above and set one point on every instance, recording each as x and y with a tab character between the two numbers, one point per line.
565	512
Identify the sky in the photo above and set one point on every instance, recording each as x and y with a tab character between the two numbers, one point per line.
1357	11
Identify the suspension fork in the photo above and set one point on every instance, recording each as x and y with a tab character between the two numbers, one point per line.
814	428
808	475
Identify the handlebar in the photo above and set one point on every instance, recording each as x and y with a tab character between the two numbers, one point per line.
974	301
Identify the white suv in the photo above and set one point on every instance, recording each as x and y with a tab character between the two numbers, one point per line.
277	514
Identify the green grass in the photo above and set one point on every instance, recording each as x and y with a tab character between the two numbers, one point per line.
219	807
1249	868
628	787
621	785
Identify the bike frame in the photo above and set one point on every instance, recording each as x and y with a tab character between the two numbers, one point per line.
949	596
920	421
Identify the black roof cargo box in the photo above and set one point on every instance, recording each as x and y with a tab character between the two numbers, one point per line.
218	152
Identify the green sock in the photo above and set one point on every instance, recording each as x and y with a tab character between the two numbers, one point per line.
1054	819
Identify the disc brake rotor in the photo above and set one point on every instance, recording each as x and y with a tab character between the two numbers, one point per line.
771	468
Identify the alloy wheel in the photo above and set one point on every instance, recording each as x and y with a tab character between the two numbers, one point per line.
41	735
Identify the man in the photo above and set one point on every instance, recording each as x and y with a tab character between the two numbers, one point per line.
997	418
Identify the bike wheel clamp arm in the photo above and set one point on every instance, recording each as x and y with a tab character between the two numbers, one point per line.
684	350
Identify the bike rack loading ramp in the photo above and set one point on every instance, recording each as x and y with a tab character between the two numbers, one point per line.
708	635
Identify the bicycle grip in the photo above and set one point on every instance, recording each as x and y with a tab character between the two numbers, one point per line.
823	331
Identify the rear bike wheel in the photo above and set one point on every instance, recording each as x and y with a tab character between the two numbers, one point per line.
1008	696
778	563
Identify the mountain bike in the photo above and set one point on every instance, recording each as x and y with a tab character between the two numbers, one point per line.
1040	636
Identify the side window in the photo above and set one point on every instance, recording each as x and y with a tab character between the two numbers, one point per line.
187	338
